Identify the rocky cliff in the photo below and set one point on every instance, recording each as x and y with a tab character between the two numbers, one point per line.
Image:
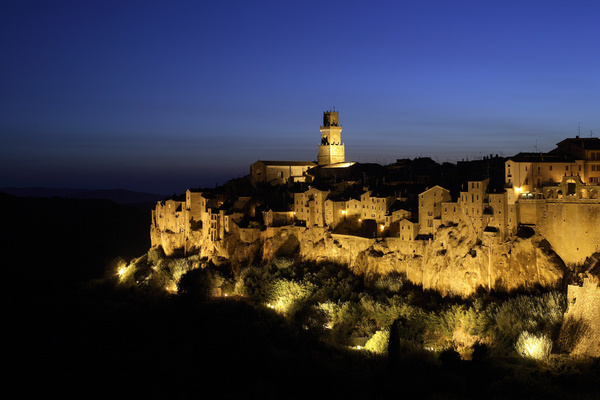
455	263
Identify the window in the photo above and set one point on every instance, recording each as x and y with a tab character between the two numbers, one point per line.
566	167
550	168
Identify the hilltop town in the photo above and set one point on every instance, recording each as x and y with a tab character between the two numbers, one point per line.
493	224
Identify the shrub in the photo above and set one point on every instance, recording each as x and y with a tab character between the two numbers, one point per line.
199	283
536	346
312	319
253	283
287	296
378	343
393	282
530	313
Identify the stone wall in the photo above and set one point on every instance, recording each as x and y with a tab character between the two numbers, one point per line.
580	332
571	228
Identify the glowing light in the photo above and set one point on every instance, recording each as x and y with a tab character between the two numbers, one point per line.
171	287
382	227
518	190
122	271
343	212
536	346
359	220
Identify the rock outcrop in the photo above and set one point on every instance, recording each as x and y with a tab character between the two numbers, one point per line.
456	263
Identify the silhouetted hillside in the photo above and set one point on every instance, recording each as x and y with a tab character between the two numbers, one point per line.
119	196
56	242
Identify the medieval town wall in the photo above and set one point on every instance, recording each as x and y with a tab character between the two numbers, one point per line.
571	228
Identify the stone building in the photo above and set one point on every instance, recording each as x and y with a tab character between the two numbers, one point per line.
169	216
331	149
408	230
309	206
573	157
280	172
375	204
430	209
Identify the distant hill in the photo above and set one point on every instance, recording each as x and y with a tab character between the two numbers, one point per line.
119	196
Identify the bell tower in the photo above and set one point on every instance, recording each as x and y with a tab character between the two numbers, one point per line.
331	149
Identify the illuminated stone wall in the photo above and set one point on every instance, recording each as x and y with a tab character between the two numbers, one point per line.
580	332
331	149
572	228
430	208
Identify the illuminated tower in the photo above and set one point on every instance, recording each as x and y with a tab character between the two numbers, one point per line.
331	149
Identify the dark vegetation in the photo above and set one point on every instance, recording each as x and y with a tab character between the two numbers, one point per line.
75	329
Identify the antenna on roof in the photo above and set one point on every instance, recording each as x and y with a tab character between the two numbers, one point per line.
535	147
578	129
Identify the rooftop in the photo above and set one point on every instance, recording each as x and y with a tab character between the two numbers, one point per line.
591	143
541	157
293	163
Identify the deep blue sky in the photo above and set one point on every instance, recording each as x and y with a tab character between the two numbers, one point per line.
162	96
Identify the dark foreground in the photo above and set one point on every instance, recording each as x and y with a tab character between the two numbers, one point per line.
70	333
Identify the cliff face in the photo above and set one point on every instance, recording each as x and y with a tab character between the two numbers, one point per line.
455	263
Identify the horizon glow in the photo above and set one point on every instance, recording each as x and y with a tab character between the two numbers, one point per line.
158	97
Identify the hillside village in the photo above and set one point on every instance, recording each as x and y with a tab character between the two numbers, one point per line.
408	216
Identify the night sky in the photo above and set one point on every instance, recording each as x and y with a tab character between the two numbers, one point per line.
162	96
